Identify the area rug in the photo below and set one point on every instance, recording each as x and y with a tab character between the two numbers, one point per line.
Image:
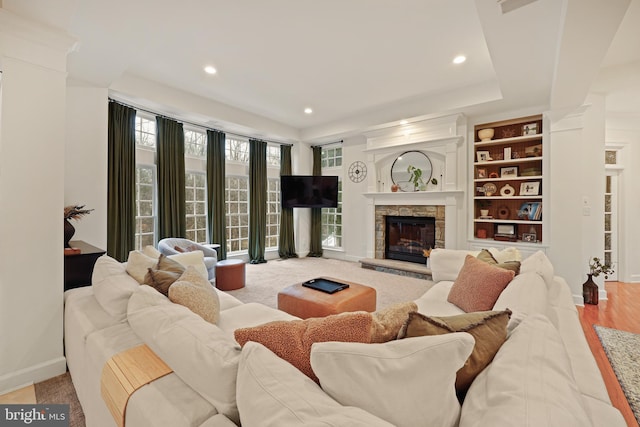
60	390
623	350
264	281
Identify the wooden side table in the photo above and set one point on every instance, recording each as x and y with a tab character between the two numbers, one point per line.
230	274
78	268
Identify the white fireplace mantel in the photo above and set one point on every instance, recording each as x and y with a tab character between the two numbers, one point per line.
442	139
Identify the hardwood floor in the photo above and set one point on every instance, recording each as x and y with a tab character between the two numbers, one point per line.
620	311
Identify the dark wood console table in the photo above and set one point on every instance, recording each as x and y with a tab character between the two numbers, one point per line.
78	268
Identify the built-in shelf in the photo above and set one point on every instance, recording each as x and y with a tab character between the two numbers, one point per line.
517	178
510	161
513	140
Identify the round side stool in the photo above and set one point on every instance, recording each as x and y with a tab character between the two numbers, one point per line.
230	274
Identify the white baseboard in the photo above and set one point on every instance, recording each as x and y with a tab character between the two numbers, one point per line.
579	300
33	374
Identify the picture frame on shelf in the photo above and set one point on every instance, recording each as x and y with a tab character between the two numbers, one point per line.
533	151
509	172
530	129
530	188
483	156
505	232
507	153
482	173
529	237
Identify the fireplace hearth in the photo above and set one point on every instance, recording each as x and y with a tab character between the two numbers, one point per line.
407	237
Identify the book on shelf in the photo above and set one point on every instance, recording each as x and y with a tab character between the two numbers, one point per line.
531	211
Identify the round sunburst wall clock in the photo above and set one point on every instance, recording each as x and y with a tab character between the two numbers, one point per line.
357	171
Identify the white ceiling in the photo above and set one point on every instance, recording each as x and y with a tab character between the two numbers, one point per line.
355	62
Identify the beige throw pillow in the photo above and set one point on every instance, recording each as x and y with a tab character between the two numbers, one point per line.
486	256
489	329
138	264
202	301
387	322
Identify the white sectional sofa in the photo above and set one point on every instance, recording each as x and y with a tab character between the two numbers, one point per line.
543	375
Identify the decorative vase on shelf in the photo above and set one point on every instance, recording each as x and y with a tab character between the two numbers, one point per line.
69	231
590	291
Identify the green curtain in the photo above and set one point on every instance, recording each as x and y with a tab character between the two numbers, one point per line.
172	220
215	191
315	246
121	185
257	200
286	240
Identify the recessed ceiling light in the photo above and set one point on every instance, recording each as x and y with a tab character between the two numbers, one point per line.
403	122
210	69
459	59
308	110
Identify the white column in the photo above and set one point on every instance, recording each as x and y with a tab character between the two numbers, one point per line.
576	200
32	144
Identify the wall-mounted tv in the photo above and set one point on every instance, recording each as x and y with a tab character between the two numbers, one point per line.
306	191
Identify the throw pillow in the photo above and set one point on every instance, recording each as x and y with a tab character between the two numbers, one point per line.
151	252
168	264
407	382
506	254
529	383
478	285
160	280
486	256
387	322
192	275
540	264
489	329
138	264
292	340
202	301
273	393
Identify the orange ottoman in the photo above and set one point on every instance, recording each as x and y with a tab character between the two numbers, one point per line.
230	274
304	302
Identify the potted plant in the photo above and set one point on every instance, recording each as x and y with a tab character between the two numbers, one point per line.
484	205
75	212
415	176
589	288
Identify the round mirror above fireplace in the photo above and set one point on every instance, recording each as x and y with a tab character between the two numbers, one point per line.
401	169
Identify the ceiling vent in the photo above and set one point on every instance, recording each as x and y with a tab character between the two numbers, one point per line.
509	5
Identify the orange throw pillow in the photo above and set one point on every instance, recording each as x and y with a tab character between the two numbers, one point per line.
292	340
478	285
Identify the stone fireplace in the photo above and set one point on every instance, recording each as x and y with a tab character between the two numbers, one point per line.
383	212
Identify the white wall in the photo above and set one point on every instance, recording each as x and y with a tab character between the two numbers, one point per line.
355	227
85	174
32	140
577	177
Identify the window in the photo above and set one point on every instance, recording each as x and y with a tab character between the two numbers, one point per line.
273	213
146	179
145	132
145	209
331	157
273	156
237	150
195	143
237	203
332	223
332	217
196	206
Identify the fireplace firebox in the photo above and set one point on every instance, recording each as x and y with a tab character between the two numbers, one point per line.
406	237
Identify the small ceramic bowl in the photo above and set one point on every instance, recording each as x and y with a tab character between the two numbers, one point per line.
485	134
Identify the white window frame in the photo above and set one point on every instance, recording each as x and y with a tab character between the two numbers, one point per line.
139	235
332	217
196	233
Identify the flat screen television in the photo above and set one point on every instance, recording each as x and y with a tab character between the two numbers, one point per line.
307	191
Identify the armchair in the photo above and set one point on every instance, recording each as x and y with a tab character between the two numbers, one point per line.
167	246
